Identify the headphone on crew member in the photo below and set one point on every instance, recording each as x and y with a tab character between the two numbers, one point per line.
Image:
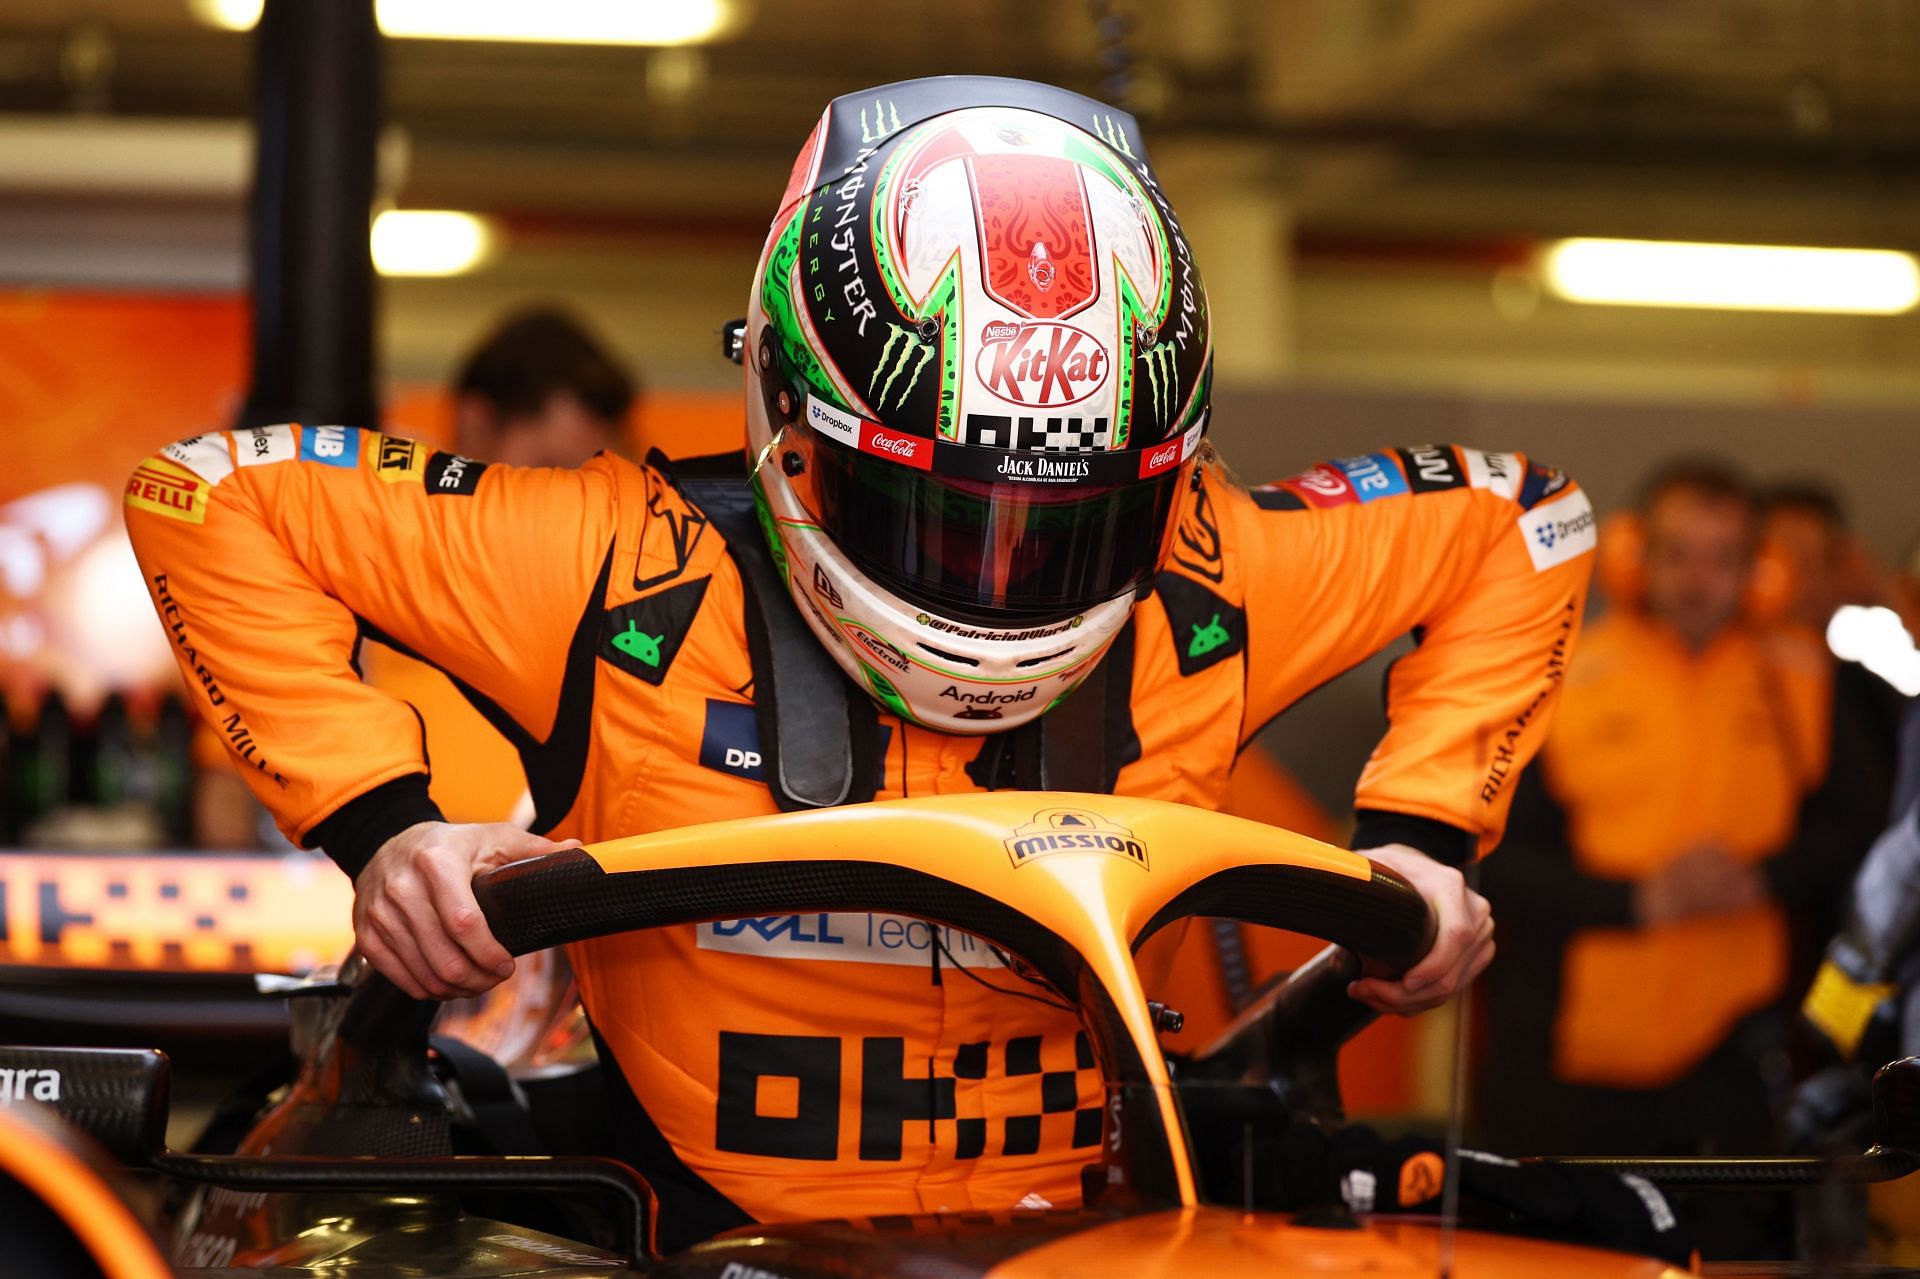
1620	561
1620	571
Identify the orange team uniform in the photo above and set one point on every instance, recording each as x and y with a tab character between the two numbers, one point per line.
1658	750
798	1066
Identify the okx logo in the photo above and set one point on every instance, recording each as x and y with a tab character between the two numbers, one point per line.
784	1097
642	638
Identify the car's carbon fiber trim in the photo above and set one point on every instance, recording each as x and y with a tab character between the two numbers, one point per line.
1381	919
567	897
117	1096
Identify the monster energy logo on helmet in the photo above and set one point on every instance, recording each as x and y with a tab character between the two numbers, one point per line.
1109	131
911	345
882	126
1163	378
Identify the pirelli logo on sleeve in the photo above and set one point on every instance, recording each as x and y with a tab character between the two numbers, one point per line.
167	488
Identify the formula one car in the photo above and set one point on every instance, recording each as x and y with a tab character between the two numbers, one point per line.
353	1172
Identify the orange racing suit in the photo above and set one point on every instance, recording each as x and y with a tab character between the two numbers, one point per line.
819	1065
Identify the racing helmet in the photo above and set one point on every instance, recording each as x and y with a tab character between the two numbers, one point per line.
978	359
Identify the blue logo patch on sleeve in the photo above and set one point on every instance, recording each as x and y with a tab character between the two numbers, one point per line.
731	741
1542	482
1373	475
331	445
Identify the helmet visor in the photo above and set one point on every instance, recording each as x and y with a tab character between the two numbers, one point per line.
990	551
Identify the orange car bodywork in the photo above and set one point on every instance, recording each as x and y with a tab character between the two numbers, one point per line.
48	1165
1222	1241
173	913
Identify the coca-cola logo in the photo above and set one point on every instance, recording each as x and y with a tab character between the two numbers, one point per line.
1159	459
1045	362
1323	481
911	449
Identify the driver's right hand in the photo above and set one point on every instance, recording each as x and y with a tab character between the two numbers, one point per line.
414	913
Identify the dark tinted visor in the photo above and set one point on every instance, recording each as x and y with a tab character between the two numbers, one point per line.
988	551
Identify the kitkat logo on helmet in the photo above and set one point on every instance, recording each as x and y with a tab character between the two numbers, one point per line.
1042	362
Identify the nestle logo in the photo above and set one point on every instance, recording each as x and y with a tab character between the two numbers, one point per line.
1045	363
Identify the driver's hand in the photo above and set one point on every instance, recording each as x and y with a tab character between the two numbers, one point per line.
1462	939
414	914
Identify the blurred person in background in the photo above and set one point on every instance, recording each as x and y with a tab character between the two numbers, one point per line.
1692	817
539	389
1805	523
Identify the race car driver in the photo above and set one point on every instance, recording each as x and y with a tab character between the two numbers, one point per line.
978	365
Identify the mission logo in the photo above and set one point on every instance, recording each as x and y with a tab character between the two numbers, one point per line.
1073	830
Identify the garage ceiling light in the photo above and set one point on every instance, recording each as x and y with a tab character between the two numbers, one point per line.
430	242
639	22
1739	277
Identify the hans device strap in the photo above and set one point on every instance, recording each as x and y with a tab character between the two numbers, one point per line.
819	734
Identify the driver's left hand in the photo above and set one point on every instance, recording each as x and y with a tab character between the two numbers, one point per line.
1462	939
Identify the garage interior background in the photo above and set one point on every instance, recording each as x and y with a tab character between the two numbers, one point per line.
1371	186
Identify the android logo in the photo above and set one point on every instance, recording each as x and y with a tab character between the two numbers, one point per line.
637	645
1207	638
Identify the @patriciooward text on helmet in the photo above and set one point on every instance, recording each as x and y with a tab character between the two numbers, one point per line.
978	361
